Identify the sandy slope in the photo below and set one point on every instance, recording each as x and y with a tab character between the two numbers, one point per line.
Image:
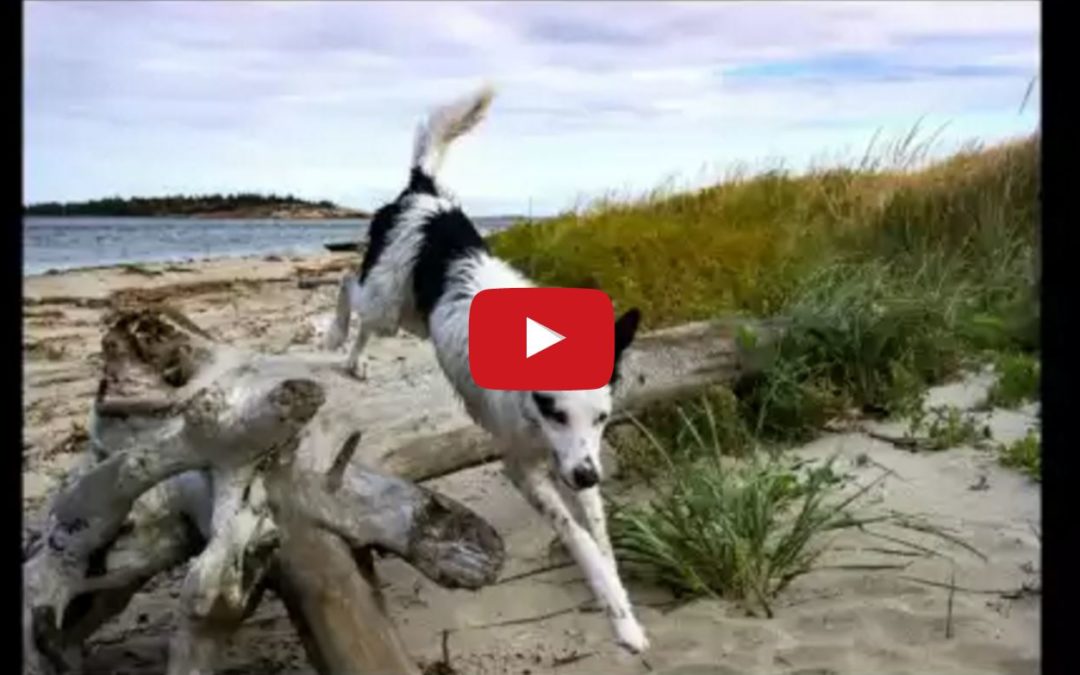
538	619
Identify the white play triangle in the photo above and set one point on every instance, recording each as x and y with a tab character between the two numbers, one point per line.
539	337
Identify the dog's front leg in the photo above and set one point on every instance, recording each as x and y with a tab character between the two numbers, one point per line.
592	507
362	337
599	571
339	328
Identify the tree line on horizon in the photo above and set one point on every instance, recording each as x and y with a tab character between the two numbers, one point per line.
177	205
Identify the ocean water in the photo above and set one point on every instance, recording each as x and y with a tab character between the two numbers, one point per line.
59	243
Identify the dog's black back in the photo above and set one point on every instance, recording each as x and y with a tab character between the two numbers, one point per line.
447	236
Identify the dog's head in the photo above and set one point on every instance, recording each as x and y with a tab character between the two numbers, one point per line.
572	422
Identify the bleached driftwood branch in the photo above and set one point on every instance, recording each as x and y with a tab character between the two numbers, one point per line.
199	449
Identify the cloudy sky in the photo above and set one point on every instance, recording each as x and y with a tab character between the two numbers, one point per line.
321	99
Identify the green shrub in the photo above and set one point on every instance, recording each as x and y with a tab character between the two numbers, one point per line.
1024	454
1017	380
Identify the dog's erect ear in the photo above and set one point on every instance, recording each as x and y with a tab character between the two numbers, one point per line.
625	328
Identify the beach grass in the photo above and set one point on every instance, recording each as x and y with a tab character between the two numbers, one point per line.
744	527
736	528
746	244
741	532
892	273
1024	454
946	427
1017	380
709	424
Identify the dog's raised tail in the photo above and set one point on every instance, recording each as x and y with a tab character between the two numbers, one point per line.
446	123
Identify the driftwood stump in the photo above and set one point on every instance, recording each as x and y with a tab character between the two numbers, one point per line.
197	452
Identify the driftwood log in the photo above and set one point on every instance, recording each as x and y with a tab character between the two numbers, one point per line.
662	365
197	451
243	460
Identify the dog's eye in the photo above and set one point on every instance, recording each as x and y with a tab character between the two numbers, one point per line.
601	418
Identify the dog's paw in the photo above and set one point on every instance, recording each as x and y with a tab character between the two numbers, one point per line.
355	371
630	635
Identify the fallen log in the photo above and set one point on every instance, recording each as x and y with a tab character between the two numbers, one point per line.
338	611
659	366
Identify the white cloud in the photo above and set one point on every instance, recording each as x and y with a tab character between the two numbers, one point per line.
321	98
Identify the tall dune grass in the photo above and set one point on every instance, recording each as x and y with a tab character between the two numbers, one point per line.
747	245
893	271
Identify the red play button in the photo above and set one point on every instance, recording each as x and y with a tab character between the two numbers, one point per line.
541	338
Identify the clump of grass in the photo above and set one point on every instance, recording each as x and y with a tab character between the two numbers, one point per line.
718	526
742	532
1017	380
744	528
708	425
946	427
1024	454
859	336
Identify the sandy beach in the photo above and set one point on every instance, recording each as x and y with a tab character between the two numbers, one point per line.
885	616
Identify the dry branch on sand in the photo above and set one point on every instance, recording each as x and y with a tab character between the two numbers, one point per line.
242	460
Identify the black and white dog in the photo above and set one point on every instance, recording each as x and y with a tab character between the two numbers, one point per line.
424	263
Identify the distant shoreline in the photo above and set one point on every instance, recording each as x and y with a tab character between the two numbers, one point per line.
276	214
216	206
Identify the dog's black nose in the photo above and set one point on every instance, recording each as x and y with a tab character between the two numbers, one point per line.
585	476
